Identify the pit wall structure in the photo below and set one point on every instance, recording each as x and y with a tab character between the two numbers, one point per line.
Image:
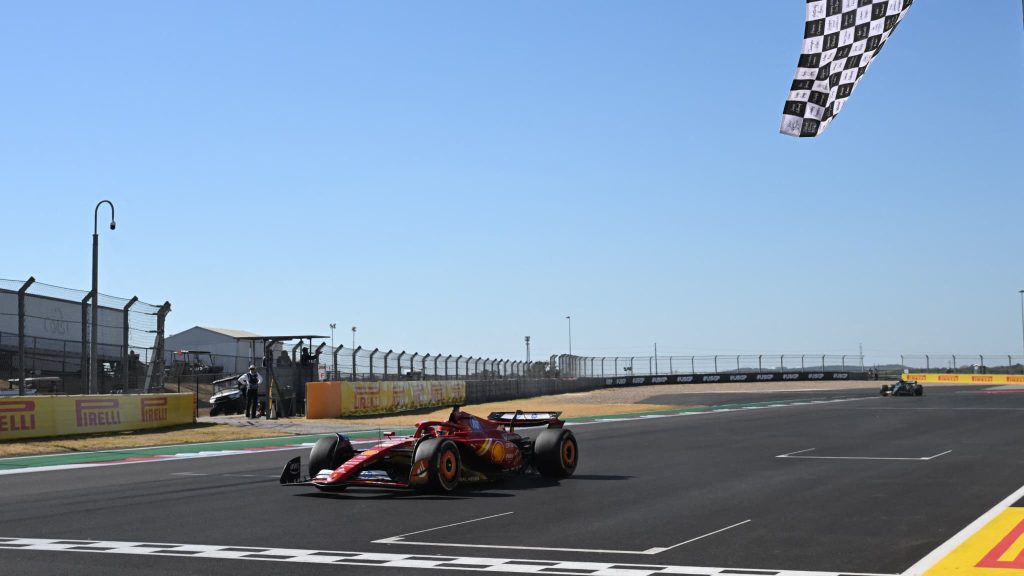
926	378
24	417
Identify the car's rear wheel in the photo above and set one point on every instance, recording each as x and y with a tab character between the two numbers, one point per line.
885	389
919	390
214	410
443	464
556	453
328	453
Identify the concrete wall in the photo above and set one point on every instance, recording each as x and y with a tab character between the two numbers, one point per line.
479	391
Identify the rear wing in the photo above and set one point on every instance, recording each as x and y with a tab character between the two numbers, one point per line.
527	419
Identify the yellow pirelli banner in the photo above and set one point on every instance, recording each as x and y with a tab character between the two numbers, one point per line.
359	398
966	378
41	416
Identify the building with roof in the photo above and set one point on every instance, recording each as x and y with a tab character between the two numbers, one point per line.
229	348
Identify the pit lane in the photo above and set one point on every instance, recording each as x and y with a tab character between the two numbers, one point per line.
706	491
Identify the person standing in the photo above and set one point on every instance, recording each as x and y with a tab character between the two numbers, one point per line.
251	381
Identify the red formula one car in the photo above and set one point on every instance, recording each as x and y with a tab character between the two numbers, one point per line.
441	455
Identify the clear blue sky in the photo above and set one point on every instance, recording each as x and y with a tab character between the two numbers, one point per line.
452	176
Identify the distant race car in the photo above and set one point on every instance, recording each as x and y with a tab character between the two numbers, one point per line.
903	388
440	455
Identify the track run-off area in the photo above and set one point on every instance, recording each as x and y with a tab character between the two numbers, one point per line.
827	482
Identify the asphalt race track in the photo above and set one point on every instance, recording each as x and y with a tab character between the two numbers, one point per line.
856	484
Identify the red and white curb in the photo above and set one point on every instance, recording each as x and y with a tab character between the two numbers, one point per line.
385	560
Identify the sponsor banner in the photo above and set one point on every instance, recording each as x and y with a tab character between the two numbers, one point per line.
41	416
362	398
966	378
733	377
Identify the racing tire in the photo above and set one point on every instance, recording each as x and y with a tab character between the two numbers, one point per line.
919	390
214	410
885	389
556	453
444	464
329	453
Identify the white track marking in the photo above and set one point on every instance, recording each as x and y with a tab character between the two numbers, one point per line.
660	550
960	537
649	552
450	525
919	459
10	546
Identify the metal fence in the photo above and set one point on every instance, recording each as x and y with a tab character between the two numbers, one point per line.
45	340
611	366
963	363
362	364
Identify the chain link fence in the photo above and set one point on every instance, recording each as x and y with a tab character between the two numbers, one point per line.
963	363
45	340
360	364
612	366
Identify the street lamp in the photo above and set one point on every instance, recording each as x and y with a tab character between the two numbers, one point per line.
569	318
93	359
527	349
1021	292
334	356
353	337
571	365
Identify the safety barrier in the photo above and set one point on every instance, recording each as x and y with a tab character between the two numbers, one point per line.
367	398
965	378
42	416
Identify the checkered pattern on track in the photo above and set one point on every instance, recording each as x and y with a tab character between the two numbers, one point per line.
448	563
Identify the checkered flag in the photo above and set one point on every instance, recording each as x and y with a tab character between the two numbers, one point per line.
841	38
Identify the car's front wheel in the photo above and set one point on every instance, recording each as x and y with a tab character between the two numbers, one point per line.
443	464
328	453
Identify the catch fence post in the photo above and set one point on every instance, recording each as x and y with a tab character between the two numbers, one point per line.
334	362
693	366
843	362
823	362
457	366
927	363
124	345
21	334
446	360
616	365
85	343
716	363
372	354
354	352
758	363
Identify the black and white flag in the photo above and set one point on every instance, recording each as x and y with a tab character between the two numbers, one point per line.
841	37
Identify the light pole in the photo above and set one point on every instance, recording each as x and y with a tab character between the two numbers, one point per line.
1021	292
334	361
93	359
569	318
527	350
353	337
